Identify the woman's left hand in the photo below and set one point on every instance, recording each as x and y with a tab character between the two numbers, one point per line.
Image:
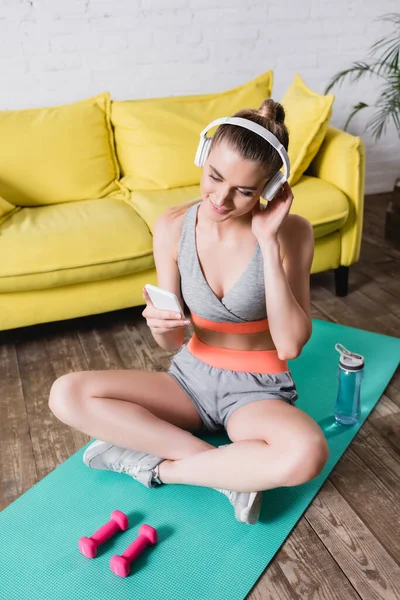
266	223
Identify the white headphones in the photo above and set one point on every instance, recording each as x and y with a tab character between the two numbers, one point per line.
277	180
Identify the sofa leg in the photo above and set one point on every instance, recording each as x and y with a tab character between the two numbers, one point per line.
342	281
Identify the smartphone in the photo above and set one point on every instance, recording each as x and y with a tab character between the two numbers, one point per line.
163	300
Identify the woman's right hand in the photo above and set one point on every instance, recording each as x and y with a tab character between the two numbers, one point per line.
162	321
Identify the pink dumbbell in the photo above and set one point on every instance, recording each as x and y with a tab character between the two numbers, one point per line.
88	546
121	565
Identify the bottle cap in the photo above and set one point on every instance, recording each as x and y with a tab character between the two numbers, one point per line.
349	360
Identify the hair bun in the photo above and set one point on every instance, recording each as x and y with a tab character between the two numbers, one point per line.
272	110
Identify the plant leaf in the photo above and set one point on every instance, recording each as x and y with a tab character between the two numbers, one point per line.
356	72
385	66
357	109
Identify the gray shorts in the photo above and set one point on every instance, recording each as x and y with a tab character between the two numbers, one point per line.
217	393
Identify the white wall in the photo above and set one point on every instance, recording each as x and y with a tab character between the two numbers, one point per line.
59	51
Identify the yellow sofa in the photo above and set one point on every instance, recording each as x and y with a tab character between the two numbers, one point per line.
76	219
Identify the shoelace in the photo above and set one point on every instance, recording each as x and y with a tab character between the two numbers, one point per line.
127	469
228	493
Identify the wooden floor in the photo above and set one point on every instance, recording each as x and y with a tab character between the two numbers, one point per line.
347	544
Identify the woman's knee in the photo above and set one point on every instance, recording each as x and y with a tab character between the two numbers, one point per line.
309	457
66	396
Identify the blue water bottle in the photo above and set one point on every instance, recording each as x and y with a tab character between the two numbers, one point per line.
350	374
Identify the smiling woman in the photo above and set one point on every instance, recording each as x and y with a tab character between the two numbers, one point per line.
244	274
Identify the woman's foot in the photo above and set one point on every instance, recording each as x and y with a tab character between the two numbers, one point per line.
247	505
141	466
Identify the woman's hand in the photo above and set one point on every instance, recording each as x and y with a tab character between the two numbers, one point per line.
161	321
266	223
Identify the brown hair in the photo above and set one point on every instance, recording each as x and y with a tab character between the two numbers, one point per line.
251	146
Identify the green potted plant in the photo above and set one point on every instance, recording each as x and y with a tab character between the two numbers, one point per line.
384	63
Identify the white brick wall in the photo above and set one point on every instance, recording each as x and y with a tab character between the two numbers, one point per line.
59	51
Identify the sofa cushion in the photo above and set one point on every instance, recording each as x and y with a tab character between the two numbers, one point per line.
6	209
323	204
150	205
307	119
156	139
53	246
58	154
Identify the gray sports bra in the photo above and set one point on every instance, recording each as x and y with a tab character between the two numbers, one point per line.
244	302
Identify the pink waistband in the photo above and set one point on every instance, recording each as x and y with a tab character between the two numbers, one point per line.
249	361
223	327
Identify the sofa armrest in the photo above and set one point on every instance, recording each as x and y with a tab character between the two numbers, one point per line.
341	161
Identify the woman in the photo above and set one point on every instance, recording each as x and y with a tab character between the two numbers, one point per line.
233	264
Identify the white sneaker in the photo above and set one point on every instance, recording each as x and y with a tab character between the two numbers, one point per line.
247	505
105	456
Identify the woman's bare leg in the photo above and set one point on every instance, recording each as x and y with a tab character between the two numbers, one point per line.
275	445
137	410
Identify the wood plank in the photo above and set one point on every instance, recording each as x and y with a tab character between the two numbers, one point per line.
389	428
17	462
316	313
395	382
41	361
375	254
393	388
386	419
272	585
381	245
366	310
381	458
384	408
355	310
128	345
310	568
385	272
372	500
68	357
386	323
370	569
338	311
379	294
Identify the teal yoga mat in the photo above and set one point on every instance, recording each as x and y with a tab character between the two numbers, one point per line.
202	553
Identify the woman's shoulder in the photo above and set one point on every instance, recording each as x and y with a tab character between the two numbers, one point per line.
296	235
174	216
298	225
168	226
